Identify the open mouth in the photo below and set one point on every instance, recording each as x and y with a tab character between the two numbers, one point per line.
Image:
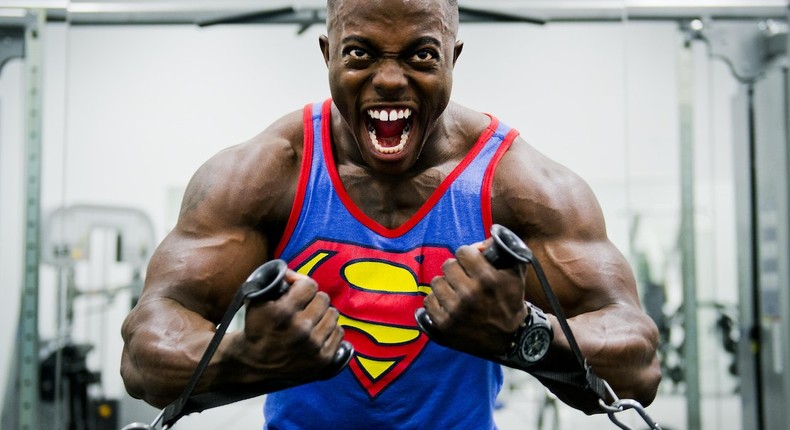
389	129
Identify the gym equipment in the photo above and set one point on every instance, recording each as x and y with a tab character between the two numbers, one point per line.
265	283
72	238
507	251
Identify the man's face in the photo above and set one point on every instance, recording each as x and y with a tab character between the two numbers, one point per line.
390	73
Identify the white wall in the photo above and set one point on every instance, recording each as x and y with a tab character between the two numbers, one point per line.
145	106
11	215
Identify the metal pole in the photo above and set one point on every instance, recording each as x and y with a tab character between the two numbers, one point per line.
28	317
687	240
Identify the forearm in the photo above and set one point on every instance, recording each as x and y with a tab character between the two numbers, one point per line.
159	359
619	343
286	342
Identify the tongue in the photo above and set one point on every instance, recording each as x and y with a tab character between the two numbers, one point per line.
386	129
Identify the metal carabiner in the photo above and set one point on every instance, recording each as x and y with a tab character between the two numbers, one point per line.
621	405
144	426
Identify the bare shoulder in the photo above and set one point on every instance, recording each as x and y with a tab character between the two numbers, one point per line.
251	183
533	194
231	213
543	197
467	124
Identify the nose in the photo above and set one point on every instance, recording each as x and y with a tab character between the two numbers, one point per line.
390	78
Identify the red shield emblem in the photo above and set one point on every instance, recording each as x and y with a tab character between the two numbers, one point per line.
376	293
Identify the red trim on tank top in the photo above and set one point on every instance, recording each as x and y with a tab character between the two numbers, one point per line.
488	180
304	175
357	213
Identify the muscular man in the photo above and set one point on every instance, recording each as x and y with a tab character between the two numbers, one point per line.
380	200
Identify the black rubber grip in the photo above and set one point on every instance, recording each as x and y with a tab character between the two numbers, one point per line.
268	283
507	250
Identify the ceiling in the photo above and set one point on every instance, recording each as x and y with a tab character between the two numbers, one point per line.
307	12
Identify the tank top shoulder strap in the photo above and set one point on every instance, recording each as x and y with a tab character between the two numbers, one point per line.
312	120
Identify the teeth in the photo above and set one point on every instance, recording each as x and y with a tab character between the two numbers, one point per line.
392	115
404	137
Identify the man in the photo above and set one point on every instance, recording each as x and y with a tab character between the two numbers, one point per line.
380	201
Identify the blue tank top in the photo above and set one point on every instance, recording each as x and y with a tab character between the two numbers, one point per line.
376	278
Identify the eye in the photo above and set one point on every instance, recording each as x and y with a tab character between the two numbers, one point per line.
357	58
424	55
356	53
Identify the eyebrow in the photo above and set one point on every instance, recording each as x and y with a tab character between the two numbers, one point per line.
424	40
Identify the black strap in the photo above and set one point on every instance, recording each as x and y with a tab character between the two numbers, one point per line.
265	283
186	404
584	377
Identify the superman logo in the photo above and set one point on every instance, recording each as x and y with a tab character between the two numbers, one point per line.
376	293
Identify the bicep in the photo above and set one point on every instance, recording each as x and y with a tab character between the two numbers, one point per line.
217	241
201	272
596	289
586	275
558	215
191	280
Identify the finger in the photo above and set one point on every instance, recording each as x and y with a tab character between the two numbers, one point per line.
444	293
328	334
471	259
327	327
462	276
291	276
300	293
332	344
312	326
482	245
455	275
476	266
436	303
436	312
316	309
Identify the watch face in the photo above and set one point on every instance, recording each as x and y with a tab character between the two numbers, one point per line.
535	344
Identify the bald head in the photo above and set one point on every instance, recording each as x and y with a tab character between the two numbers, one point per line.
330	4
334	6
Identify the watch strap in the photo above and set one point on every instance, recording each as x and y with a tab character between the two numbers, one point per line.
535	315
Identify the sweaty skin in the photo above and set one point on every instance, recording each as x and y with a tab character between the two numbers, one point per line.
382	57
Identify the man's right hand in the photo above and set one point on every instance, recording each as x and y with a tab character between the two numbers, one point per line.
293	338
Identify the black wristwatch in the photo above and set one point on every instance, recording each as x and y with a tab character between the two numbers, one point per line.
532	339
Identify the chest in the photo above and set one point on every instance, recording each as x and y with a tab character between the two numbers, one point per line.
388	201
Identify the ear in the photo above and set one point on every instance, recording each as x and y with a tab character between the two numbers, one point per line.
459	46
323	41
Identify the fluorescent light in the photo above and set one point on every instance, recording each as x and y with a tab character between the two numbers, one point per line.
12	12
34	4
